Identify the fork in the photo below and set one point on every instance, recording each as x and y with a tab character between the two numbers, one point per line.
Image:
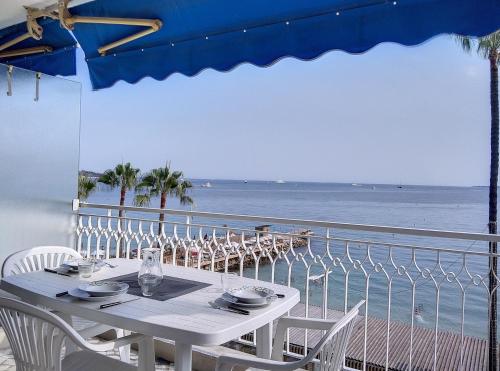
228	308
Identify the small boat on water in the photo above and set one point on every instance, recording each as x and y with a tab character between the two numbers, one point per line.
280	182
206	185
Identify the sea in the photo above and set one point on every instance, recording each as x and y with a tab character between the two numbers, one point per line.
404	284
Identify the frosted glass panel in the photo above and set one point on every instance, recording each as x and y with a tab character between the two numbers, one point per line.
39	153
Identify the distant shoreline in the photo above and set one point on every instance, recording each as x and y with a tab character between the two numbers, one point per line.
96	174
90	174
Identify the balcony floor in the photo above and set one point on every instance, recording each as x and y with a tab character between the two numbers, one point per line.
7	361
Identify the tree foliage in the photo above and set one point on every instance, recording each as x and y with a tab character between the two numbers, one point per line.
487	47
163	182
86	186
123	175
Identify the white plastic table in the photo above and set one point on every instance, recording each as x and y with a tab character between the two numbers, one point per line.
188	320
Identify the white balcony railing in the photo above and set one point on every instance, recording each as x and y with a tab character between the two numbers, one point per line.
426	291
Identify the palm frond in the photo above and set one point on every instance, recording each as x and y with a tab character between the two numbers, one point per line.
150	182
85	187
489	46
123	176
486	46
177	174
109	178
186	200
142	200
465	42
181	192
164	181
129	176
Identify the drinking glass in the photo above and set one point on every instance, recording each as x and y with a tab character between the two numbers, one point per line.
85	268
228	281
151	274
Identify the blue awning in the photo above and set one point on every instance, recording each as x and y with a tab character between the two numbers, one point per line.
220	34
60	61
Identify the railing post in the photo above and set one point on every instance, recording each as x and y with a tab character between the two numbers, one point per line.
188	227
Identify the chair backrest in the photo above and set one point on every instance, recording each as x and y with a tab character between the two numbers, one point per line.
36	336
333	345
332	356
37	258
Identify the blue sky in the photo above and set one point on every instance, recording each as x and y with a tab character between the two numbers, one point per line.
395	114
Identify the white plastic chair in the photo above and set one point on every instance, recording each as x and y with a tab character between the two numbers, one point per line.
37	258
331	347
40	257
37	337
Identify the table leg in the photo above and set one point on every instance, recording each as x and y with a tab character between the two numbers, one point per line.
125	350
183	356
264	341
147	354
70	346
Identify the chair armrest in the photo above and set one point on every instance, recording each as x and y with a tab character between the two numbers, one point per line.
286	322
308	323
94	330
116	343
227	363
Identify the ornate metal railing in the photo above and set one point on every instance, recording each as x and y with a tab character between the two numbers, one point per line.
426	291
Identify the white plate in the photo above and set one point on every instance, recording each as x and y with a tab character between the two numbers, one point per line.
104	288
228	298
251	294
82	295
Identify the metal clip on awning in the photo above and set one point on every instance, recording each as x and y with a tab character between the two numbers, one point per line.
60	12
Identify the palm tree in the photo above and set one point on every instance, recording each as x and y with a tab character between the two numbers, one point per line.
163	182
123	176
86	186
488	47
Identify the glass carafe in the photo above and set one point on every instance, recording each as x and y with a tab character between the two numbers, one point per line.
150	274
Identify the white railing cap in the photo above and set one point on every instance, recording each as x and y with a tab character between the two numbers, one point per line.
302	222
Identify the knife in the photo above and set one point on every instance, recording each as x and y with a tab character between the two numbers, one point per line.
56	272
238	309
104	306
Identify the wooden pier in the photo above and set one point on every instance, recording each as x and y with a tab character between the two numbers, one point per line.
448	349
282	243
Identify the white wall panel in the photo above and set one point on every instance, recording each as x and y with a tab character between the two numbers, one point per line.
39	154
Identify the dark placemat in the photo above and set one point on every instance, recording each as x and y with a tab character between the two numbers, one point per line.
170	287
